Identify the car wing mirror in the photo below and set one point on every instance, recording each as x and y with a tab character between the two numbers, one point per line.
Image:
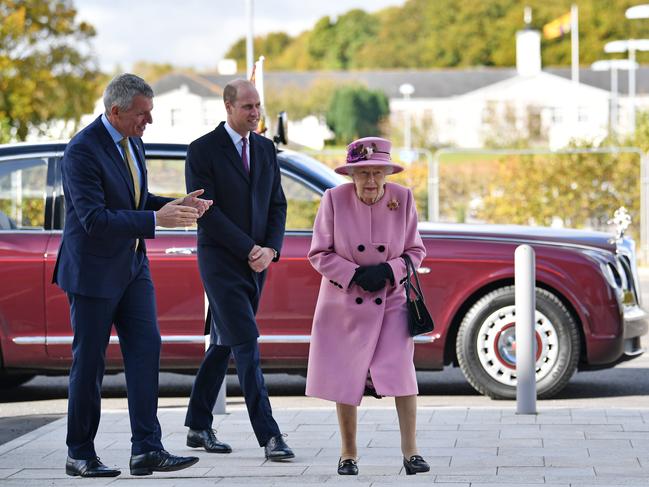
281	135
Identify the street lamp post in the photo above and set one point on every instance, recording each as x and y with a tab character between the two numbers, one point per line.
613	65
406	89
632	46
635	12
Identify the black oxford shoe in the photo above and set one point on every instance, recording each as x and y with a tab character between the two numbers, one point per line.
207	439
347	467
89	468
416	464
159	461
277	450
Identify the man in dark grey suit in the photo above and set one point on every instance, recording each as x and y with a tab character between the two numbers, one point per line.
238	238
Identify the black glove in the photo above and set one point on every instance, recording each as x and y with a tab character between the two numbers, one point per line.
372	277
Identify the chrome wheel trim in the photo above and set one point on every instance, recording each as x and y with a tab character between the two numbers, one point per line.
495	346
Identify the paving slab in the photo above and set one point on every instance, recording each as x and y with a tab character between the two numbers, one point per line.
466	447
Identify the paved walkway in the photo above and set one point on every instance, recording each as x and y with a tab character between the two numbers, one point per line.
466	447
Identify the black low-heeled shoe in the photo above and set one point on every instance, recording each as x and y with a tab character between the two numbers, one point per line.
347	467
416	464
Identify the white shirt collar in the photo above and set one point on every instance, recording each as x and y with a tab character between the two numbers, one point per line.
234	135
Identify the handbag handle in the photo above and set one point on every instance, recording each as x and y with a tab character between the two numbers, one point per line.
415	286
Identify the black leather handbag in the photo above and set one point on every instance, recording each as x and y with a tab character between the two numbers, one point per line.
419	319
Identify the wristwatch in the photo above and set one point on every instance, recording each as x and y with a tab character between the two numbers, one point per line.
275	254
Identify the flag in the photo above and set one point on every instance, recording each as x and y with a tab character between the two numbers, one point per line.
261	125
558	27
253	75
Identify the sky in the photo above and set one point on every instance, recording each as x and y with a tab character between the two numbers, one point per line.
196	33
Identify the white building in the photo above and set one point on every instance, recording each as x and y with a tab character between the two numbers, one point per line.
461	108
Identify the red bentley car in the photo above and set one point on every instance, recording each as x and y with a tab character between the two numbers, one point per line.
588	302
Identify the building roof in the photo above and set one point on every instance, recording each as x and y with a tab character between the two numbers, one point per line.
602	79
427	83
196	84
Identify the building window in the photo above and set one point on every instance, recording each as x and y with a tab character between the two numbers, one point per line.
557	115
175	116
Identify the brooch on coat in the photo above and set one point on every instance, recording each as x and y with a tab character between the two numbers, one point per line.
393	204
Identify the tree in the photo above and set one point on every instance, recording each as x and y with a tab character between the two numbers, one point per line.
335	45
356	111
270	46
447	33
300	102
579	190
45	74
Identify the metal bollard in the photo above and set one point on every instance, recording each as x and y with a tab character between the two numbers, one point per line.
219	405
525	301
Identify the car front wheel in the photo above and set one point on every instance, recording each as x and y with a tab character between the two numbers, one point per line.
486	344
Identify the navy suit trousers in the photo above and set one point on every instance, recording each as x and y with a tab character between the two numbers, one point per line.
134	316
208	383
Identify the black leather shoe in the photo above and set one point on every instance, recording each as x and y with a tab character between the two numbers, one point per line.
89	468
207	439
159	461
347	467
415	465
277	450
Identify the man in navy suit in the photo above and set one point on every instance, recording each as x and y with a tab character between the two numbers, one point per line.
238	238
103	268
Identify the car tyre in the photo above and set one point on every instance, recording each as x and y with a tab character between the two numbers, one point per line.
485	344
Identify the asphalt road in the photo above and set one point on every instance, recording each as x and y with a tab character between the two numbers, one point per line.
44	399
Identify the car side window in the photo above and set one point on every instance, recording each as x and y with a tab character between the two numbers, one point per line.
303	203
166	177
23	185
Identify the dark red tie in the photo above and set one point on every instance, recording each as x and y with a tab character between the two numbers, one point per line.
244	154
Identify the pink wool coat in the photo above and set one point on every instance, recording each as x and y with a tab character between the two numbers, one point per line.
354	330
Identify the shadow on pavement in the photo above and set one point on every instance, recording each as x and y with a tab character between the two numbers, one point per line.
616	382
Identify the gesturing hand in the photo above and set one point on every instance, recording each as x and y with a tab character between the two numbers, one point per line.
173	215
193	201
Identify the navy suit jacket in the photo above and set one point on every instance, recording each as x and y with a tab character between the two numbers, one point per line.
248	209
101	221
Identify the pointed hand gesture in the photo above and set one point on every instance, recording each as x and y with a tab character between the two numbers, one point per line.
193	201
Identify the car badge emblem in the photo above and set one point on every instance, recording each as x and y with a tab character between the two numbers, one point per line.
621	219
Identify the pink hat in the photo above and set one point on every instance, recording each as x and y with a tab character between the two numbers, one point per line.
368	151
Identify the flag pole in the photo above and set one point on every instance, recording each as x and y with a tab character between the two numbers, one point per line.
249	39
574	41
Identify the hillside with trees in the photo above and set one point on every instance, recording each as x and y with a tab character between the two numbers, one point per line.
425	34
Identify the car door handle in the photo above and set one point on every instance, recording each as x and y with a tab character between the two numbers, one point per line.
180	250
423	270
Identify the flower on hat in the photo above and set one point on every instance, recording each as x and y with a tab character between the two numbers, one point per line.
393	204
359	152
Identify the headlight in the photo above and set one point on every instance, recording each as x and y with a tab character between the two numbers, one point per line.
617	279
612	275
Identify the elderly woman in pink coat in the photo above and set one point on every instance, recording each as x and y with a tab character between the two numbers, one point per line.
360	332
